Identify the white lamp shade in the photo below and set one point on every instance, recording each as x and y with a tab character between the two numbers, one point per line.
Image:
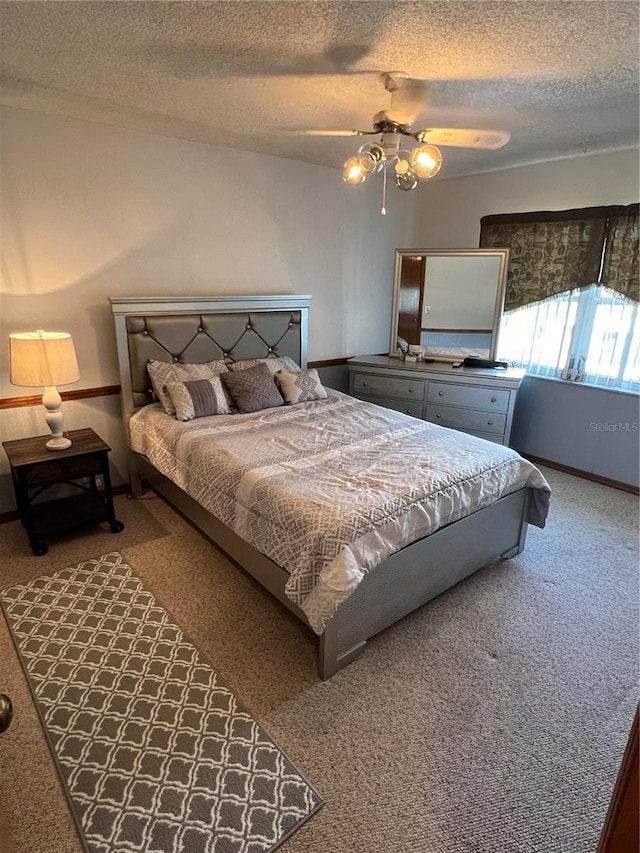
42	359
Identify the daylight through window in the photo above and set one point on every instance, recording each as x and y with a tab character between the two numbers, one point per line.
588	333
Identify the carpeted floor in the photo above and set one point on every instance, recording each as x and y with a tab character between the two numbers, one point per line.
493	720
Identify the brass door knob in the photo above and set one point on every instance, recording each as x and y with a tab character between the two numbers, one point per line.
6	712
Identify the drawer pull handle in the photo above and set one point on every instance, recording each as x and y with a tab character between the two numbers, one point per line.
490	423
438	416
411	390
6	712
364	384
493	399
440	393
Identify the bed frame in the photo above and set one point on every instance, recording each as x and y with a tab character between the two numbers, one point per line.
201	329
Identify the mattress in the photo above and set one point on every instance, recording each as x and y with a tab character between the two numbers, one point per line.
329	489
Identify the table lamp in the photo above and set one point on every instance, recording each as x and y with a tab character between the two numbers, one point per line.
45	359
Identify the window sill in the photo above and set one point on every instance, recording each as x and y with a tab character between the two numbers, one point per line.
588	385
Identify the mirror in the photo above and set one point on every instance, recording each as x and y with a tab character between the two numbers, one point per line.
447	303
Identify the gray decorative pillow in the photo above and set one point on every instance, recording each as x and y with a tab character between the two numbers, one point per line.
252	389
198	398
282	362
300	387
163	372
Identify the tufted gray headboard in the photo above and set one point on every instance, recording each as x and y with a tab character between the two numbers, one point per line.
197	329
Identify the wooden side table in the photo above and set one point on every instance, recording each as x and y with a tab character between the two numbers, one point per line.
35	469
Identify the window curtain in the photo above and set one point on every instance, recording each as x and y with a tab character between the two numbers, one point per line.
549	253
620	266
559	251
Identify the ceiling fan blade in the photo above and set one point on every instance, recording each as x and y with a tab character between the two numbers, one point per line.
409	98
331	132
459	137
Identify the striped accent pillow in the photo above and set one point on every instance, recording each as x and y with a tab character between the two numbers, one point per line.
198	398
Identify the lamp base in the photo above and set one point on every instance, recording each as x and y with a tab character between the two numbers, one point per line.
52	401
58	443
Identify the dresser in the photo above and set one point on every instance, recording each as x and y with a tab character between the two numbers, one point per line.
475	400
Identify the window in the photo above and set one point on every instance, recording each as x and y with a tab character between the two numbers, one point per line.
591	336
571	307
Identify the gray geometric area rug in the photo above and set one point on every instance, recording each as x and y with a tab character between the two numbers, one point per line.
155	752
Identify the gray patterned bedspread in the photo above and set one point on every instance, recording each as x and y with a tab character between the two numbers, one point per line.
329	489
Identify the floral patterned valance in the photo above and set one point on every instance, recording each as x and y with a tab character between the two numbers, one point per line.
554	252
622	249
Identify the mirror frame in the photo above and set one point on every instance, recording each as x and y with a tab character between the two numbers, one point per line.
502	254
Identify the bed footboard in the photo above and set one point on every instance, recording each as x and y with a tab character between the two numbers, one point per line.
420	572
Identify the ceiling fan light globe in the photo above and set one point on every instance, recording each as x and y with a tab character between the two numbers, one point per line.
406	181
353	171
402	164
368	163
375	152
426	161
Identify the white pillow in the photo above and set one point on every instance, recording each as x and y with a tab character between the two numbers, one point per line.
282	362
162	372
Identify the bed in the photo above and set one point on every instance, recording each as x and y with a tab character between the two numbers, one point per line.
351	515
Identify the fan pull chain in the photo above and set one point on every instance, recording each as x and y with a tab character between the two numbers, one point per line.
383	209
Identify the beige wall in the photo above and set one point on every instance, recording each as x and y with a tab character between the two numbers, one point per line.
90	211
448	212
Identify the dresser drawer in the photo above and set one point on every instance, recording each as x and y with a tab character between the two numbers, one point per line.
489	399
407	407
467	419
388	386
488	436
64	469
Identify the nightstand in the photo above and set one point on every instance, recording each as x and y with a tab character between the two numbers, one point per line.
35	469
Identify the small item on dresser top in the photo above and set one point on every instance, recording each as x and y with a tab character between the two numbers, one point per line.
474	361
403	346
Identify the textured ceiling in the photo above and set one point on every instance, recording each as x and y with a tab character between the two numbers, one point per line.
562	77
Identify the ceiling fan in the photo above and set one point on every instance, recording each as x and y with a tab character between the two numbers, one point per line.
409	98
